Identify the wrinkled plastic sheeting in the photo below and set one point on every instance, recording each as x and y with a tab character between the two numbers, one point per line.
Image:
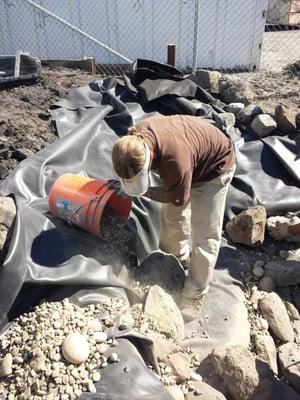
48	259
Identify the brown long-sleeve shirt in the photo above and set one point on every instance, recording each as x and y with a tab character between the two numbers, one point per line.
187	151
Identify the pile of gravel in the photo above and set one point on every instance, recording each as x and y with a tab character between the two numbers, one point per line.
55	352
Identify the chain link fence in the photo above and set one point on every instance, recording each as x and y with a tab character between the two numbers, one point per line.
227	35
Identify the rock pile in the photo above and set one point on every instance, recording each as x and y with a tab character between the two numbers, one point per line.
56	351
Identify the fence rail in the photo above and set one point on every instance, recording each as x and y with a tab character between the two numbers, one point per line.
236	35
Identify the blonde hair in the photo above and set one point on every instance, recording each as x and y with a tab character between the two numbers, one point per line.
128	154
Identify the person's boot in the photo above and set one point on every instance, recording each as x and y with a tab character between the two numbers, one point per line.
190	303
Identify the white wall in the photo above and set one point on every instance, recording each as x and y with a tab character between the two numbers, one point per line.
229	31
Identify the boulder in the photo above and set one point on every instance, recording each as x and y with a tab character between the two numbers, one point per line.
286	119
234	108
161	307
274	311
75	348
248	227
204	391
208	80
284	272
266	350
224	121
247	377
263	125
248	113
235	90
289	361
241	371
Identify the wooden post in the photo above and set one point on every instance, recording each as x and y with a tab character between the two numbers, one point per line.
171	54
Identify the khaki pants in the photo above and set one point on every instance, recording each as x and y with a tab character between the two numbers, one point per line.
197	227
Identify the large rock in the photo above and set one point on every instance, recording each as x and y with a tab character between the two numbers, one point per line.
274	311
235	90
208	80
7	216
161	307
205	392
286	119
289	361
248	227
240	370
247	377
161	269
247	114
224	121
234	108
266	350
284	272
263	125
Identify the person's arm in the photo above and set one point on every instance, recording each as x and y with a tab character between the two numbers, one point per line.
159	194
178	194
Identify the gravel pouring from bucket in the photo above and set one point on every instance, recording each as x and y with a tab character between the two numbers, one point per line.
93	205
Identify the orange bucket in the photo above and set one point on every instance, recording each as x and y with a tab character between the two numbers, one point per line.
82	201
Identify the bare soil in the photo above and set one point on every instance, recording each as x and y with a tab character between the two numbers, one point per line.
268	89
25	122
26	126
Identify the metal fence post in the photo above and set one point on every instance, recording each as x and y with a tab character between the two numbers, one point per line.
195	41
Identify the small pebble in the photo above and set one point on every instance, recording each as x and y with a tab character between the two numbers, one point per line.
195	377
258	272
113	357
96	376
100	337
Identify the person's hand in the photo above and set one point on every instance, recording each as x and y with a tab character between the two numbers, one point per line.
278	227
116	185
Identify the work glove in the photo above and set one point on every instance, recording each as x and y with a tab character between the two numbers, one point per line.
116	185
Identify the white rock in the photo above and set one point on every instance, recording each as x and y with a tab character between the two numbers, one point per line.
274	311
6	365
262	323
75	348
94	325
100	337
263	124
113	357
162	308
196	377
102	348
266	350
234	108
176	392
258	272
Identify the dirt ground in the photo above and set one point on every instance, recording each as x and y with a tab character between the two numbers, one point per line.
26	126
25	122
